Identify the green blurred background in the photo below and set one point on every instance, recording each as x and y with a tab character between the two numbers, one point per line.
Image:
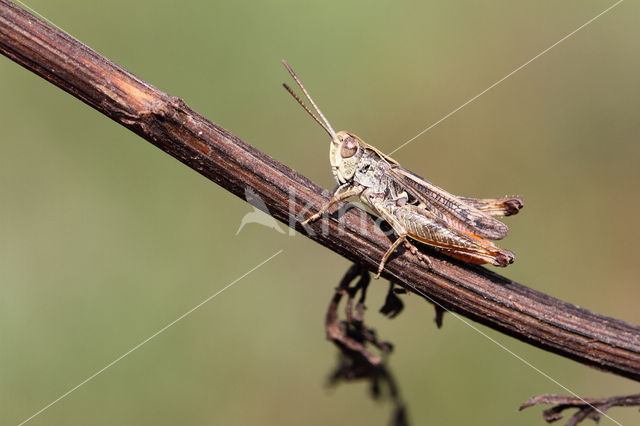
104	239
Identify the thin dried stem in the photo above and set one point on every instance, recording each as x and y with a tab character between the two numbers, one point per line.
588	408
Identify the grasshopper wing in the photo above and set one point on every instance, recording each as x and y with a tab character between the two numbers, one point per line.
449	208
505	206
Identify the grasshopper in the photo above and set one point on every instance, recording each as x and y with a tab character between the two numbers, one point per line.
460	227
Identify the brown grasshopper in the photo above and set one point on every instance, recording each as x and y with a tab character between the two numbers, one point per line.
415	208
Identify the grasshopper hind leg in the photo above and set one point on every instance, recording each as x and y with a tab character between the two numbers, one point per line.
426	228
419	224
402	239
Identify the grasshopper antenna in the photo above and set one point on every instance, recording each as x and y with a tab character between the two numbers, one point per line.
306	108
324	123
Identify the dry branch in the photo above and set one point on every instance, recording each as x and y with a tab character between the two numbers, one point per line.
168	123
588	408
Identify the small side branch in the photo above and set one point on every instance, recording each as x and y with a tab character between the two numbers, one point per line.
588	408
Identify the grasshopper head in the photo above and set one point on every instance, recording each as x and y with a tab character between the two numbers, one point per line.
344	153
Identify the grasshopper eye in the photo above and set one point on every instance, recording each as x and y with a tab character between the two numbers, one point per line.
349	147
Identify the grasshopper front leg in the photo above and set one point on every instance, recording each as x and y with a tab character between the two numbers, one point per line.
343	192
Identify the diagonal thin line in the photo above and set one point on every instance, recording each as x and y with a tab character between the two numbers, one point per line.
506	76
64	395
44	18
280	251
524	361
449	115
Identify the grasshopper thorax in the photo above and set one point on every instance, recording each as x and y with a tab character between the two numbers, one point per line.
344	154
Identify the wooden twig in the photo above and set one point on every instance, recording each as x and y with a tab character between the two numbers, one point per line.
587	408
168	123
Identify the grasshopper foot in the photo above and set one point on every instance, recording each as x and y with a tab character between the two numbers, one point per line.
311	219
417	253
380	269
